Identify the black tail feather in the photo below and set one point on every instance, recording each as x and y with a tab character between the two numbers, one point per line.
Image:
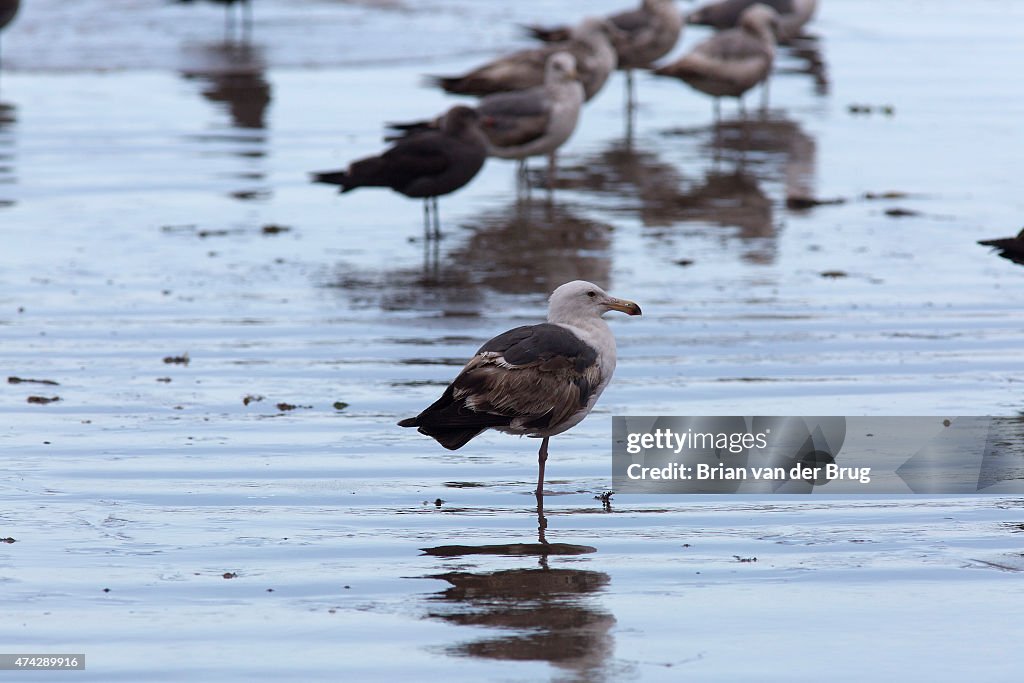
451	423
332	178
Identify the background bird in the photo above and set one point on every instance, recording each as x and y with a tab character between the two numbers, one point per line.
793	15
731	62
534	380
589	42
427	163
643	36
526	123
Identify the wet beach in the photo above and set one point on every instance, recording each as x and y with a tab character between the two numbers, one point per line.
221	492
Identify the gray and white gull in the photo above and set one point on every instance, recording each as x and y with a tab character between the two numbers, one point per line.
731	62
527	123
589	42
534	380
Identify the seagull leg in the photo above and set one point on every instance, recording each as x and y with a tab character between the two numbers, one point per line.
552	170
764	94
542	458
630	103
542	522
437	218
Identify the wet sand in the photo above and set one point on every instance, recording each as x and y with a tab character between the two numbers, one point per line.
155	203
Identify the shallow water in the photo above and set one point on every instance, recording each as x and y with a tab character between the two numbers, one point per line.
141	163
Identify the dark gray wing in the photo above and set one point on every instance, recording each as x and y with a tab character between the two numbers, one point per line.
547	345
535	376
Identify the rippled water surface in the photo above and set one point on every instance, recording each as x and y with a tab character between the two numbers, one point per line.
221	492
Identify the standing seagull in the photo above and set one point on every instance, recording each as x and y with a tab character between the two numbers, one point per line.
731	62
229	15
793	14
527	123
643	36
8	8
589	42
534	380
425	164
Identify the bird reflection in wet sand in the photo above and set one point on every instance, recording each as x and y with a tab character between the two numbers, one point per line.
8	116
664	198
534	246
772	147
547	615
232	76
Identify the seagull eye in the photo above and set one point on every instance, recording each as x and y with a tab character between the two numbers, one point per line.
591	294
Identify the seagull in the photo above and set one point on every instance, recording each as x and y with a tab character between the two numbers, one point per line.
424	164
534	380
793	14
526	123
8	8
589	42
731	62
643	36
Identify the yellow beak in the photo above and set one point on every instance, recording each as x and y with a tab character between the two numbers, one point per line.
624	305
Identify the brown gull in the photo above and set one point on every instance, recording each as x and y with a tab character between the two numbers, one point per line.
534	380
589	42
642	36
730	62
526	123
424	164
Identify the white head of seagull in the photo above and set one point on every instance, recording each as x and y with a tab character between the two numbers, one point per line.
583	302
533	380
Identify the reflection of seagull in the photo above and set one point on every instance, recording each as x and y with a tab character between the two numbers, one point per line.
531	122
8	8
793	14
643	35
730	63
588	42
233	74
425	164
534	380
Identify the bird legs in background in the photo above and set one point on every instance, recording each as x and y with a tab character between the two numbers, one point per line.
246	20
431	219
630	104
765	92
